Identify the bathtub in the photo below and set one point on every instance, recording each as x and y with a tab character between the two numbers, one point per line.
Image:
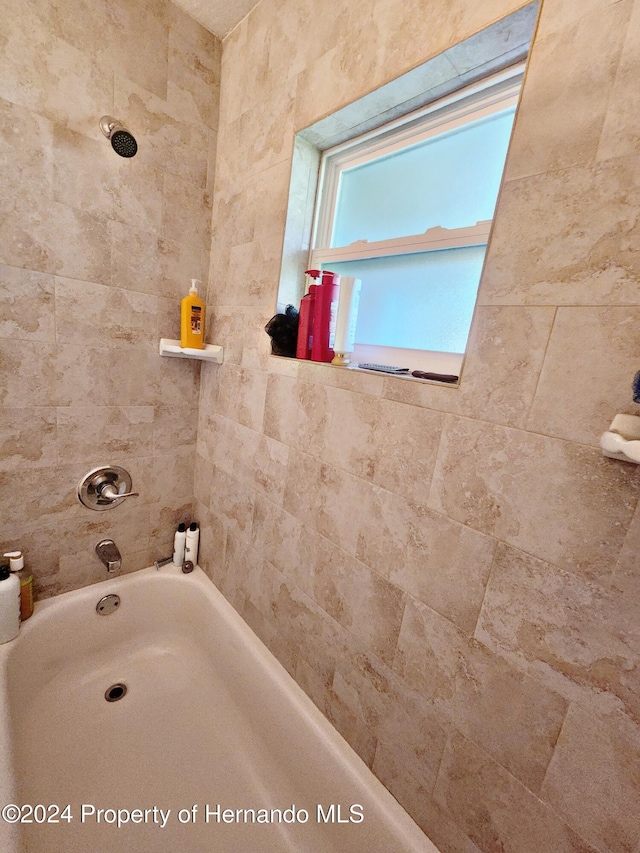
213	747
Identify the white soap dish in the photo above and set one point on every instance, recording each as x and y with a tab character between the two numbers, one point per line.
622	439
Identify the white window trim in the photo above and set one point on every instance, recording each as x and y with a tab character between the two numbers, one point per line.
487	97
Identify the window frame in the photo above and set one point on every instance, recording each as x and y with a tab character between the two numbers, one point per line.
488	96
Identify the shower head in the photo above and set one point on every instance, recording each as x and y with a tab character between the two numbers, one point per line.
121	140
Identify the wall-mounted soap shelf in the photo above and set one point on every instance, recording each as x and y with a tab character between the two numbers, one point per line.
172	348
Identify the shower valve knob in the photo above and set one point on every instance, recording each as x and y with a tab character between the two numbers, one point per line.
105	487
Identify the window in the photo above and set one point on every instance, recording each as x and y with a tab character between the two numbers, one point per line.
407	208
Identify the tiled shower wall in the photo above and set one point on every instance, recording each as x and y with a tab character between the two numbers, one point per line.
95	253
451	574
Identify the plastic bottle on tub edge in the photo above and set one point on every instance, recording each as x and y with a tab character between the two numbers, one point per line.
9	605
191	544
16	565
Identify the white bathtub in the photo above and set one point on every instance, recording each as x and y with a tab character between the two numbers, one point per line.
214	747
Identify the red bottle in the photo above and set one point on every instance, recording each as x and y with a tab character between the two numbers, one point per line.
324	315
305	323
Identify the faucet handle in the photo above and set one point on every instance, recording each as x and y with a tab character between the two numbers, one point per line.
109	491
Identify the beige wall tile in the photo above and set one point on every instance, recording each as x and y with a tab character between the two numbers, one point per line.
26	305
28	438
505	353
496	811
568	632
442	563
39	69
186	213
94	315
329	499
618	138
194	75
499	707
587	373
593	779
241	395
363	602
297	413
626	577
169	139
517	486
559	126
30	238
87	434
27	163
28	373
578	249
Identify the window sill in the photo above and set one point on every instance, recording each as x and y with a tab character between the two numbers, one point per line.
355	369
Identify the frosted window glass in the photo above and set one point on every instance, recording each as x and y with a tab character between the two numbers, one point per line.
419	301
450	180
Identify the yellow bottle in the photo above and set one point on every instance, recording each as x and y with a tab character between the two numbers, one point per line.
192	310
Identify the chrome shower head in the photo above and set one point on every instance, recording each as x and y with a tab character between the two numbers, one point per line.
121	140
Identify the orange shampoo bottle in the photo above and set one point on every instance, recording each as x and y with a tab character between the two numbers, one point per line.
192	311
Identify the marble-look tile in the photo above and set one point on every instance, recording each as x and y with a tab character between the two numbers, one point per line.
174	426
329	499
579	247
362	601
212	543
39	69
39	544
241	395
193	88
517	486
144	261
285	541
265	132
516	719
28	374
79	564
168	140
98	315
172	474
582	386
164	517
505	353
442	563
26	305
594	780
27	438
86	434
568	632
388	443
253	267
186	213
26	167
89	176
559	126
38	496
232	501
415	735
618	137
297	413
495	810
626	577
30	237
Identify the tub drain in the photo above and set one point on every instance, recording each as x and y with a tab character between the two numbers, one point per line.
115	692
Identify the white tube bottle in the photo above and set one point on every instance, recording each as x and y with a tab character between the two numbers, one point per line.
179	541
9	605
191	546
347	319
